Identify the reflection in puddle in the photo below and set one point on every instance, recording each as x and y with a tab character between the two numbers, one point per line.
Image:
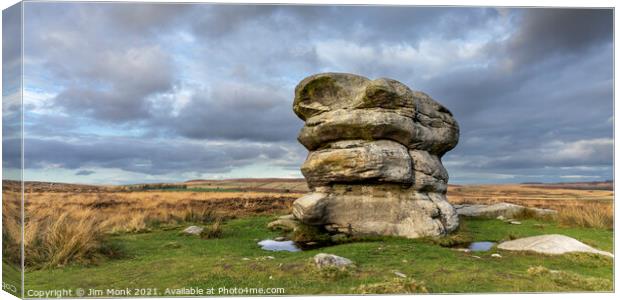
481	246
272	245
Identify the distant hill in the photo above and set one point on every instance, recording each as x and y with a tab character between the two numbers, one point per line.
197	181
607	185
292	185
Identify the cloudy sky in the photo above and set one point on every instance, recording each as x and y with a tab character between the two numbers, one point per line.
137	92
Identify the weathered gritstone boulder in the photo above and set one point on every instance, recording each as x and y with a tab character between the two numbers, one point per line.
429	174
358	161
368	124
327	92
384	209
374	165
502	209
436	131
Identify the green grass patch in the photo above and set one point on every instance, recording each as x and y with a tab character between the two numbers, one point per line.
164	259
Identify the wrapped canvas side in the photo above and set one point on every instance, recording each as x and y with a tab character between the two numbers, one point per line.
12	151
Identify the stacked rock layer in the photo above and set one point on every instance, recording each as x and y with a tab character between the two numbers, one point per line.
374	165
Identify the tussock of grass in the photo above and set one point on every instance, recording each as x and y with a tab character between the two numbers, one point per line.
590	215
213	231
69	237
394	286
199	215
11	228
572	280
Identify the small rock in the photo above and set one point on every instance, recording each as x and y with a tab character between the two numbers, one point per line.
501	218
245	258
279	239
399	274
463	250
323	260
405	261
515	222
193	230
311	243
476	256
496	255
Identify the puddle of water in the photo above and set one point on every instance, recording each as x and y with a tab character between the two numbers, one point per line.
481	246
271	245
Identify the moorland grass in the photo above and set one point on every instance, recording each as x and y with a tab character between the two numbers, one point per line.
94	245
164	259
70	227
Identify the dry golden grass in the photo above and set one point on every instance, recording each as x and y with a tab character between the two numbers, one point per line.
213	231
134	211
525	195
593	214
68	237
11	226
576	207
63	227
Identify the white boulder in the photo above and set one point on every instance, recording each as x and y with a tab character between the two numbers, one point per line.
550	244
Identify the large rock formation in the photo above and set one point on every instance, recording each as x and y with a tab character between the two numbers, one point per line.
374	165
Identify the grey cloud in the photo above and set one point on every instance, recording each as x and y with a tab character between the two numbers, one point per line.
129	77
11	92
220	20
11	49
125	20
235	112
105	66
549	79
148	17
553	154
552	31
84	172
153	157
